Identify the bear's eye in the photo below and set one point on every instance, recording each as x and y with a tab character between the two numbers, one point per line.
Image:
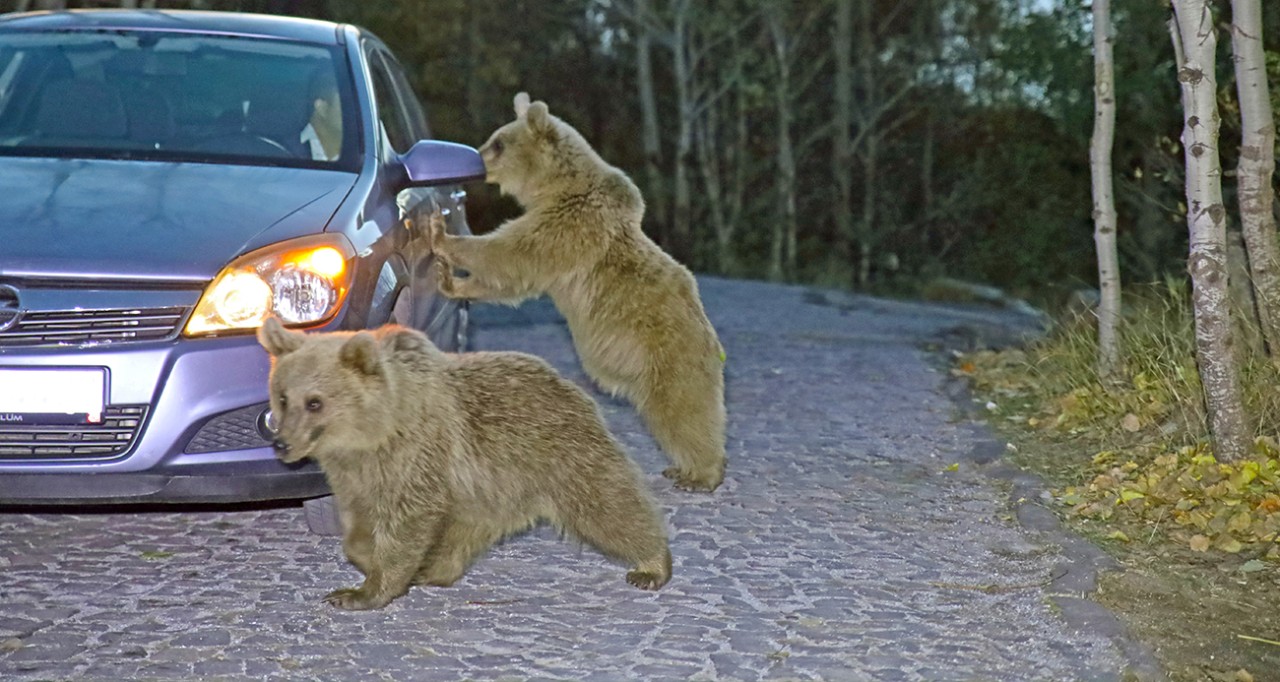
314	405
497	146
284	400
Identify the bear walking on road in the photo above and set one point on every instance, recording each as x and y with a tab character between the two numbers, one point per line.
635	315
433	457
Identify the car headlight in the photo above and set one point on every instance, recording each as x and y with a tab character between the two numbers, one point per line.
302	281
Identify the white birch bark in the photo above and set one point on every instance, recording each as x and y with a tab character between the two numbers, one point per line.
1104	205
1257	166
1195	39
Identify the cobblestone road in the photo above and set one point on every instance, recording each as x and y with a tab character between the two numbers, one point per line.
839	548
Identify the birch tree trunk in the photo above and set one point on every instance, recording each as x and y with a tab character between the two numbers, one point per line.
784	229
655	190
866	61
681	209
1104	205
1194	40
926	180
1257	166
842	119
710	142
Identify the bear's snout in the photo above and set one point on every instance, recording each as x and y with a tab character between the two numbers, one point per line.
281	448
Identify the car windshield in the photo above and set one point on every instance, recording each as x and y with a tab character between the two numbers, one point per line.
175	96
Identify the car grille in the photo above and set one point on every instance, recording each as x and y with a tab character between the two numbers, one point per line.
235	430
114	436
76	327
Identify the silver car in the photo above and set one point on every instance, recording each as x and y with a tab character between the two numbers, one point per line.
170	179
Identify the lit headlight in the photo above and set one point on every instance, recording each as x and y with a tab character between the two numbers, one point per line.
302	281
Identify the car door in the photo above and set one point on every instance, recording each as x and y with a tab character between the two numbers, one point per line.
418	302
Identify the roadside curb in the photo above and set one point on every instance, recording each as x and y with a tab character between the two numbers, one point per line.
1075	576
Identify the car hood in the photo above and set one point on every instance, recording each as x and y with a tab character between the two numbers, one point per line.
131	220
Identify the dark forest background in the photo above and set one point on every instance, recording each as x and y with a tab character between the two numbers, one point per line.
875	144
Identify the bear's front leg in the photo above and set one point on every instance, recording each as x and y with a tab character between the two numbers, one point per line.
381	585
447	282
500	266
463	287
392	564
458	546
357	542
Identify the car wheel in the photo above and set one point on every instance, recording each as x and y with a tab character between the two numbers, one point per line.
322	515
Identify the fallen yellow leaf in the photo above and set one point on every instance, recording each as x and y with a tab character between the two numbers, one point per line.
1240	522
1129	495
1199	543
1230	545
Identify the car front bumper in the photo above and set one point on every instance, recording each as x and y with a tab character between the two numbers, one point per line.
209	486
196	441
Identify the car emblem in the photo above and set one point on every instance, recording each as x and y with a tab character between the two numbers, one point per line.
10	313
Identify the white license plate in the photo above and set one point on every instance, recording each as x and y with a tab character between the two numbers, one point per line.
52	396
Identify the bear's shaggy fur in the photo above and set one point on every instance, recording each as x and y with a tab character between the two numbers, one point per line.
634	312
433	457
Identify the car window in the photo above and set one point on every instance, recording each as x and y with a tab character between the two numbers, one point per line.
390	114
10	62
165	96
413	109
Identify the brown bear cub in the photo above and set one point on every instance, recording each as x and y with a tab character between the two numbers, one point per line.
634	312
433	457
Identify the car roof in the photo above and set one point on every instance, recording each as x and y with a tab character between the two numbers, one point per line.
194	21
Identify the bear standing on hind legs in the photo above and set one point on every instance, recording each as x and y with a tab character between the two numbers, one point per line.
634	312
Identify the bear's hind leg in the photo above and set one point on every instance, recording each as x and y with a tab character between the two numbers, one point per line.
685	414
623	525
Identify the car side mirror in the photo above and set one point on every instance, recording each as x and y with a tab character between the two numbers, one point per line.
434	162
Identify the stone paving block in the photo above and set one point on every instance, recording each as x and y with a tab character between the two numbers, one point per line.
203	638
214	668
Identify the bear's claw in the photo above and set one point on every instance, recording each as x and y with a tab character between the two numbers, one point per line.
352	599
691	483
646	580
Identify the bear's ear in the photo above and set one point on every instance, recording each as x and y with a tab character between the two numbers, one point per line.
396	338
277	340
360	352
539	118
522	104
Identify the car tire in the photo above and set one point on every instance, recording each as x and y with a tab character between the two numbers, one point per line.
322	515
